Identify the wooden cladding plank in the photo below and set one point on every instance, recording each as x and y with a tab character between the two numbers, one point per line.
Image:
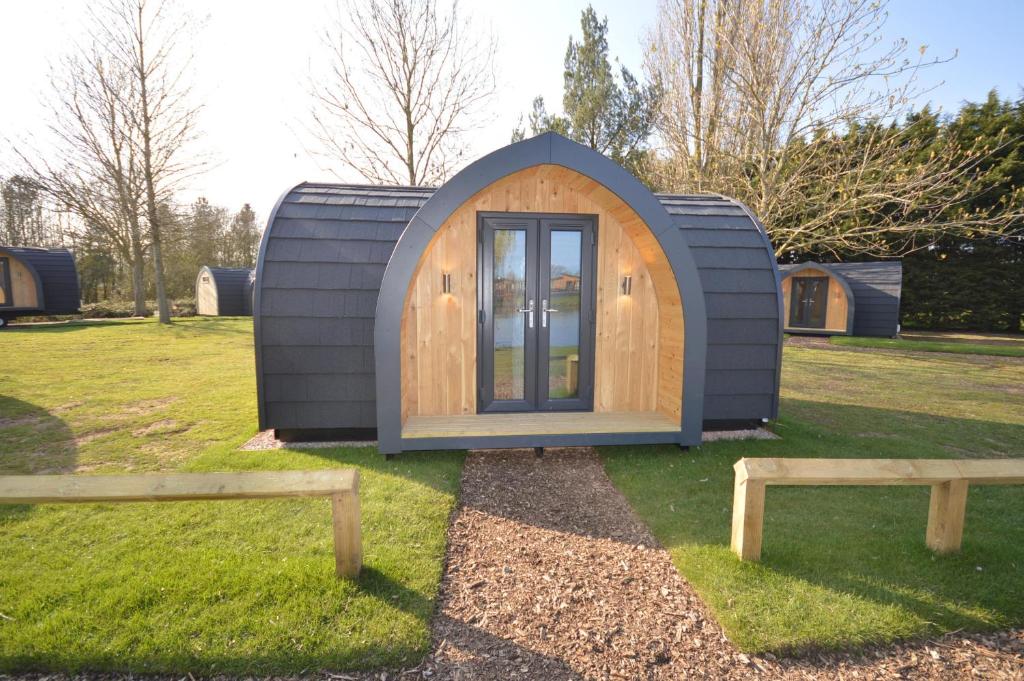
638	349
41	489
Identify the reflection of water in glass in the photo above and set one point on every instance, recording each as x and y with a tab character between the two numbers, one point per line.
564	328
564	279
509	295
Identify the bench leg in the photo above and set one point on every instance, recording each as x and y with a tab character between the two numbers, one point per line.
348	543
747	519
946	516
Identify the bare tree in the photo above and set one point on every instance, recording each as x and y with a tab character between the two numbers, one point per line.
146	40
97	176
789	105
404	81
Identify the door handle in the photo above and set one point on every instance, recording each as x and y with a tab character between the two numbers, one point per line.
529	313
544	310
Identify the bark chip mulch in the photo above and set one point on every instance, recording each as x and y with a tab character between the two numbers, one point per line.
551	575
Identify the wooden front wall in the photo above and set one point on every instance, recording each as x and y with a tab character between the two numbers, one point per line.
23	284
837	310
206	295
639	344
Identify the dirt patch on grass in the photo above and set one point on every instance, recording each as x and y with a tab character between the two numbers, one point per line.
94	435
148	406
16	421
161	427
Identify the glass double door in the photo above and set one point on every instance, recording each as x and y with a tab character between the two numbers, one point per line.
809	302
536	312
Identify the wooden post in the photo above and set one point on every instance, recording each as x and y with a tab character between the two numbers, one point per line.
747	518
572	373
946	516
348	542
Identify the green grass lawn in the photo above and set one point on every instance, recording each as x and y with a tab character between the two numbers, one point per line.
247	587
934	344
844	565
241	587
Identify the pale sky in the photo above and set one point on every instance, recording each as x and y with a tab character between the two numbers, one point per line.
252	59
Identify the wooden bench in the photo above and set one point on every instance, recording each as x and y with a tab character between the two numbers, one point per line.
341	485
948	478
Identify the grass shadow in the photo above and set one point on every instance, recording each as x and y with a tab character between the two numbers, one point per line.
32	441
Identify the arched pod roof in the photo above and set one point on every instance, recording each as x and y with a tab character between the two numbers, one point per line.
55	274
234	290
327	246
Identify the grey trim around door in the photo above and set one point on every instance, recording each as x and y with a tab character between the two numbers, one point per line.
554	149
539	228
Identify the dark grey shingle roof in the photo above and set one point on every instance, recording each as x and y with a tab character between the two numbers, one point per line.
56	269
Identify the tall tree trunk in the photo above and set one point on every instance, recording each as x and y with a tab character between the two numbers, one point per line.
138	258
163	310
698	99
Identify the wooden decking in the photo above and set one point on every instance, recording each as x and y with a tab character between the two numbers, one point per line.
550	423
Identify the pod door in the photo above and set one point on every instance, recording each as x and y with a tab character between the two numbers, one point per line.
536	312
808	306
6	290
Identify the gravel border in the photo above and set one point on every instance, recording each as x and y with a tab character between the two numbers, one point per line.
265	440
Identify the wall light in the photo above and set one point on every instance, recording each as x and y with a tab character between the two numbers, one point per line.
627	285
446	282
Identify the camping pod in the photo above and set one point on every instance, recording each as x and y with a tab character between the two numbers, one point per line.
37	281
224	291
541	297
856	298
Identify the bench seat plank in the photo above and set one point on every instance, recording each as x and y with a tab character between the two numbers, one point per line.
775	471
41	489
